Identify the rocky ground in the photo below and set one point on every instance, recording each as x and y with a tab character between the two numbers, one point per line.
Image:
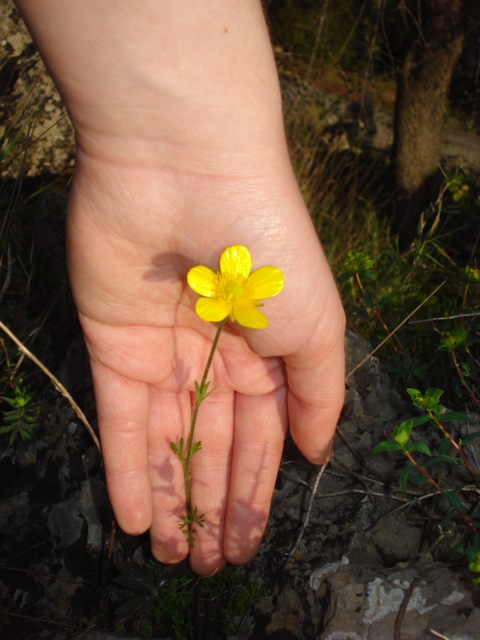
356	573
366	566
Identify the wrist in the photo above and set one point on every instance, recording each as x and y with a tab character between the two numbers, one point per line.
156	79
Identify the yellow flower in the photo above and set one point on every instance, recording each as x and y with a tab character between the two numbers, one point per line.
234	291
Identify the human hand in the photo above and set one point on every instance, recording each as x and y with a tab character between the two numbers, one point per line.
167	176
129	253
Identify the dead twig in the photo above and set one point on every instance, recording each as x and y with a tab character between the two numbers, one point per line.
309	511
394	331
406	599
56	383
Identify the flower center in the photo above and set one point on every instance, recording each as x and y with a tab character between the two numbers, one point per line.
230	288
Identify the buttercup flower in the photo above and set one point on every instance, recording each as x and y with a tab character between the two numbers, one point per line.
233	291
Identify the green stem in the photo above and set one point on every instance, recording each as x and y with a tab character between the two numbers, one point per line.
434	418
457	366
199	398
379	317
425	473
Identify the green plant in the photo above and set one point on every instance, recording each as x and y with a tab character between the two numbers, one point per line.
156	599
384	288
233	292
22	417
434	469
473	555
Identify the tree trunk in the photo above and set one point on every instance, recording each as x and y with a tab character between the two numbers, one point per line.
437	37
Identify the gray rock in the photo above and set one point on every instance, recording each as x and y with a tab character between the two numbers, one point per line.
65	521
15	512
288	615
89	507
95	635
31	94
370	602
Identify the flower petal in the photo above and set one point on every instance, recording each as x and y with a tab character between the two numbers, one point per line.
203	281
211	309
248	315
265	282
236	261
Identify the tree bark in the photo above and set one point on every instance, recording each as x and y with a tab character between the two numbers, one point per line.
437	36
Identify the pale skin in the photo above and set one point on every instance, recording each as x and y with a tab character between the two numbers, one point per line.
181	153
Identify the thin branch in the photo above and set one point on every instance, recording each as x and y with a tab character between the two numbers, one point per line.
309	511
406	599
394	331
460	315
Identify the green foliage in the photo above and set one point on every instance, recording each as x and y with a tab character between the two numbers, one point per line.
454	339
471	275
440	345
356	263
21	418
188	523
430	401
178	449
156	600
433	471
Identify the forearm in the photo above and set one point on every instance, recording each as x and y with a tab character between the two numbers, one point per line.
155	71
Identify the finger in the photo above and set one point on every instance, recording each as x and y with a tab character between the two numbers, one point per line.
210	479
316	381
260	427
122	410
169	420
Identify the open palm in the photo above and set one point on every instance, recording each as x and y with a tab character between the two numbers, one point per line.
130	248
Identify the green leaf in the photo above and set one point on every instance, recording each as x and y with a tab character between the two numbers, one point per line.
434	394
418	446
210	392
472	553
196	447
401	433
201	391
414	393
386	446
198	393
12	403
454	501
470	436
25	435
178	449
454	415
6	428
444	447
344	278
444	458
418	420
429	401
466	369
402	480
11	416
418	478
367	298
